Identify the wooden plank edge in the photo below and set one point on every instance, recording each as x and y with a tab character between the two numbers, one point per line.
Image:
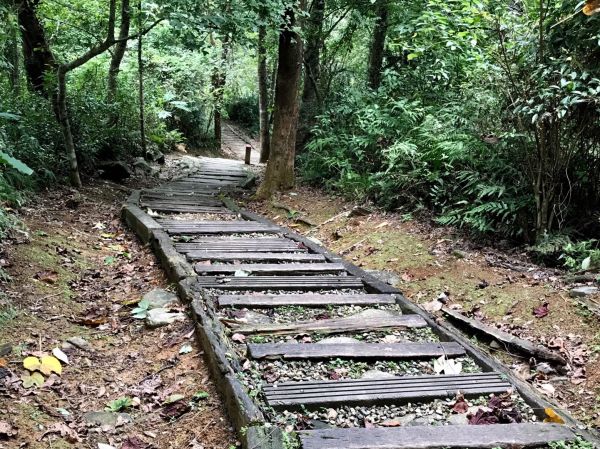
139	221
175	264
445	331
267	437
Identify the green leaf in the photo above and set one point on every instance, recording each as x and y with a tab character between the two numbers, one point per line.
412	56
585	264
119	404
109	260
199	395
12	162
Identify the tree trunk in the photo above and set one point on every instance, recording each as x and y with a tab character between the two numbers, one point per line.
263	96
12	56
280	169
37	56
65	126
311	99
141	80
378	45
115	62
218	84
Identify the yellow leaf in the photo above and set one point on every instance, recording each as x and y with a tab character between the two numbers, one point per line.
591	7
31	363
50	364
552	416
34	379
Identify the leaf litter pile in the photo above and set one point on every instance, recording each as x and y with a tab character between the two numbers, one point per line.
78	365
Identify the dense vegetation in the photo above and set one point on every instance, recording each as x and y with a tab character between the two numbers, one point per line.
485	113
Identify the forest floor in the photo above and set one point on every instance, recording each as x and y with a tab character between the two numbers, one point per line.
501	288
77	271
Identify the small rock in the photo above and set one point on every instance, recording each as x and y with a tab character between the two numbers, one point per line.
141	167
252	317
399	421
423	421
154	155
79	343
376	374
459	254
377	313
495	345
162	317
580	292
458	419
332	414
385	276
160	298
339	341
105	418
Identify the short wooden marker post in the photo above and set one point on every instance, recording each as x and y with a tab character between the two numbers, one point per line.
248	152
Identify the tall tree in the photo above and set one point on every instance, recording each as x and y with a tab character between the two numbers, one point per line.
263	90
140	61
12	57
218	80
312	72
280	168
116	59
38	58
378	44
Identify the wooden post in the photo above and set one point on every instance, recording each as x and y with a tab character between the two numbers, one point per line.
248	153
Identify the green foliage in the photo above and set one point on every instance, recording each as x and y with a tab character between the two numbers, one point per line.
245	112
578	443
120	404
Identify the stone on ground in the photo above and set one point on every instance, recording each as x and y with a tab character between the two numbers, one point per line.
106	418
160	299
161	317
579	292
385	276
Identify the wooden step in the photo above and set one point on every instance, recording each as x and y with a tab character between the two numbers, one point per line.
305	300
273	268
249	256
257	245
182	200
296	351
164	207
294	395
356	323
216	227
524	435
279	282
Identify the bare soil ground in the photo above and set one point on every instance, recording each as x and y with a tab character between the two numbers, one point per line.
499	288
76	271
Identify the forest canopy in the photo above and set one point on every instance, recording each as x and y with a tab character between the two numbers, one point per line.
483	114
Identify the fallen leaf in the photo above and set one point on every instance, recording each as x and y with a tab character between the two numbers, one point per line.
238	338
547	389
460	405
175	410
65	432
185	349
173	398
3	362
47	276
134	443
552	416
31	363
60	355
105	446
7	430
541	311
447	366
33	379
49	365
396	422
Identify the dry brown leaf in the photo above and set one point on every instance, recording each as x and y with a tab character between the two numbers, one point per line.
591	7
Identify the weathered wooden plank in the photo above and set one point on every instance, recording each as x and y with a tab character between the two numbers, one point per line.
529	348
279	282
305	300
187	208
384	390
257	245
272	268
524	435
296	351
216	227
254	256
354	323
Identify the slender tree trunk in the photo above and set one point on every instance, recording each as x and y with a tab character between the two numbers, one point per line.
378	45
312	73
219	79
263	96
280	168
115	62
37	56
141	80
12	56
65	126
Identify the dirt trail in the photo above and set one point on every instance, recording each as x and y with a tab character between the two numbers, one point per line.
234	141
501	289
76	271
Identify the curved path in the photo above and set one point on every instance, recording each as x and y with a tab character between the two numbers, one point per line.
245	278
